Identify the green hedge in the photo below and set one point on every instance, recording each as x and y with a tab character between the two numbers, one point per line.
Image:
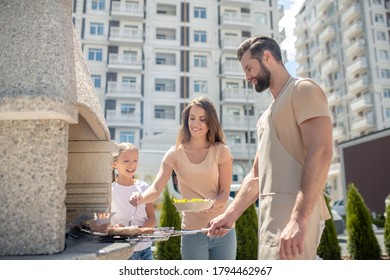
329	248
247	234
361	240
387	231
170	217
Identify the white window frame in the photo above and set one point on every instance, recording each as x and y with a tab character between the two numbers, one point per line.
200	61
127	136
200	36
96	28
97	81
200	12
95	54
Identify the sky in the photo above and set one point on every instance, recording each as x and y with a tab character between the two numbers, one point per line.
291	8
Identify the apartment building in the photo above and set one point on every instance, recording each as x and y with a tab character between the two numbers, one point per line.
148	58
345	46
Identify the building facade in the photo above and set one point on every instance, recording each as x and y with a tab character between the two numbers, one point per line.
344	45
148	58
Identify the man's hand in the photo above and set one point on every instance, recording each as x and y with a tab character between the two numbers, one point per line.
291	241
219	226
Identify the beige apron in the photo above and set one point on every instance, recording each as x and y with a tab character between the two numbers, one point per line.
279	183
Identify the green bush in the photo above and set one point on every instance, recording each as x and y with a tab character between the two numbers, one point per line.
247	234
361	240
387	230
170	217
329	248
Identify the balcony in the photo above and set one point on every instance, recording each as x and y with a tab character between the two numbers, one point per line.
116	118
339	133
302	55
327	34
355	48
126	35
352	13
333	99
238	122
320	56
358	85
362	103
330	65
363	123
235	20
239	95
321	6
357	66
318	25
231	42
354	29
243	150
128	11
232	67
123	90
235	3
334	169
121	62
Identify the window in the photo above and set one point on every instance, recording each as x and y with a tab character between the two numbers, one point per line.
199	12
127	108
95	54
200	36
260	18
165	9
386	92
164	85
165	34
164	112
200	86
200	61
387	113
383	55
129	83
377	2
96	80
98	5
385	73
127	136
130	56
379	18
165	59
96	28
381	36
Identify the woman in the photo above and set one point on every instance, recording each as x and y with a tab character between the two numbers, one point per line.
203	165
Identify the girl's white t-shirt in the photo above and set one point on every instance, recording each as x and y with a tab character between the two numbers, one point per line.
123	210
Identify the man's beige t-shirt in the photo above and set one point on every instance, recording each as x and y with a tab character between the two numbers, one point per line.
302	100
199	180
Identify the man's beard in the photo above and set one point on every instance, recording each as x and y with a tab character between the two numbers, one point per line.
263	79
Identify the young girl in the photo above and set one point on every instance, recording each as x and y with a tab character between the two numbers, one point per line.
124	184
204	166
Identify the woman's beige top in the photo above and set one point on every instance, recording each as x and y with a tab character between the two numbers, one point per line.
199	180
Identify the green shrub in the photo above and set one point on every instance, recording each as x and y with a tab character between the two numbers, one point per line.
329	248
387	230
170	217
361	240
247	234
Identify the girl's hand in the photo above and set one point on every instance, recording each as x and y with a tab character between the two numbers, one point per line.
136	199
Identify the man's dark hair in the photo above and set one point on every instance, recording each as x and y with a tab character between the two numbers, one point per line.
257	45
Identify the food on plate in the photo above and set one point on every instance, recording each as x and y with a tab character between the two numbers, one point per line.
184	200
129	230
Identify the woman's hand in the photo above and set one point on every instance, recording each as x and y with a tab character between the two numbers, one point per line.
136	199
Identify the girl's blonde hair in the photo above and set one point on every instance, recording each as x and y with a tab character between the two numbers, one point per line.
125	146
